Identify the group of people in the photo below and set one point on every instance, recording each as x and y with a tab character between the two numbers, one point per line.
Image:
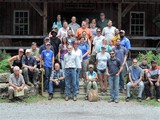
94	53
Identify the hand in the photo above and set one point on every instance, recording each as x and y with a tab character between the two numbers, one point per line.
151	83
108	74
157	83
117	74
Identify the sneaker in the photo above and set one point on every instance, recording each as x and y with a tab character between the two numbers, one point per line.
77	91
158	100
148	98
66	98
74	98
116	101
139	99
127	99
50	97
121	90
86	98
12	100
101	92
111	100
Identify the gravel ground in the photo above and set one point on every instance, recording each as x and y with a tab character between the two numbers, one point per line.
79	110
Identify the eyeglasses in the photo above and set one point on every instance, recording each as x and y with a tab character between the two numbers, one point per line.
48	44
134	62
98	31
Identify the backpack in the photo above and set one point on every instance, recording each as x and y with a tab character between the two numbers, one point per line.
93	95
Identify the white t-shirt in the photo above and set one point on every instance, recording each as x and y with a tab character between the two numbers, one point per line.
108	32
63	32
78	53
97	41
102	60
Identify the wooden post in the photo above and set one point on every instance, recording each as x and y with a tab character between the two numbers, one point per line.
45	18
119	15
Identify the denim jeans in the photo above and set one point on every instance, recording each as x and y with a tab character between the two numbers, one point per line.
114	87
48	72
70	77
141	88
121	78
52	85
77	78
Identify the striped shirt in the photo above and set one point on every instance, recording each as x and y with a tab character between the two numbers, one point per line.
154	73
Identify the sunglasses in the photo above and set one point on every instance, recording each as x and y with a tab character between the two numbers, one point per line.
111	53
48	44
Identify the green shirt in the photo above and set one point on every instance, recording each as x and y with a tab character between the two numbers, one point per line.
101	24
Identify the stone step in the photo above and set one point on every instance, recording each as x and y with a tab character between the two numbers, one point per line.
4	77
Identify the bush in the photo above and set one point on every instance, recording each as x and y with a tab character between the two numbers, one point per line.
150	56
4	67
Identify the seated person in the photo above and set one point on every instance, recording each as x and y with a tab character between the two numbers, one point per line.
91	79
153	80
56	79
16	60
29	68
35	52
16	83
135	77
145	68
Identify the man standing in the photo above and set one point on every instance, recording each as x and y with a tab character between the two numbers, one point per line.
55	42
125	42
47	60
70	62
153	80
73	24
121	54
114	68
83	28
135	77
29	64
56	79
102	22
16	83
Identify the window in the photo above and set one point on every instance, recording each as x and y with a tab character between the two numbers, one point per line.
21	22
137	23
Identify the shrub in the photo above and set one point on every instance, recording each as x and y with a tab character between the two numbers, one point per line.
4	67
150	56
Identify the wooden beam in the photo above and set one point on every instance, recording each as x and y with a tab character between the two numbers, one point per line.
20	37
119	15
127	9
37	8
45	18
143	38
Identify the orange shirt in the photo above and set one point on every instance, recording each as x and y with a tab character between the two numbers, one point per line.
115	38
80	30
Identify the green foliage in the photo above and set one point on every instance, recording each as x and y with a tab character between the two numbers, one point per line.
4	67
150	56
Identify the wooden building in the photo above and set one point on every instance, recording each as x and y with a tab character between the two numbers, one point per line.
24	21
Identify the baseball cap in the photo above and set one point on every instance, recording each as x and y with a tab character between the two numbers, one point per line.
153	61
28	50
122	31
90	66
21	50
47	38
103	46
102	14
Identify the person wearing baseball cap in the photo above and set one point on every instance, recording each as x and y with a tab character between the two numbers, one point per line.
91	78
16	60
102	22
29	67
101	59
153	80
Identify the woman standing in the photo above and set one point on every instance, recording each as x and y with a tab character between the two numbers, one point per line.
62	51
101	60
84	47
78	53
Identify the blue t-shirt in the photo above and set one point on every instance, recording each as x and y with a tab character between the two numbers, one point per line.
136	73
126	43
120	53
47	56
84	47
